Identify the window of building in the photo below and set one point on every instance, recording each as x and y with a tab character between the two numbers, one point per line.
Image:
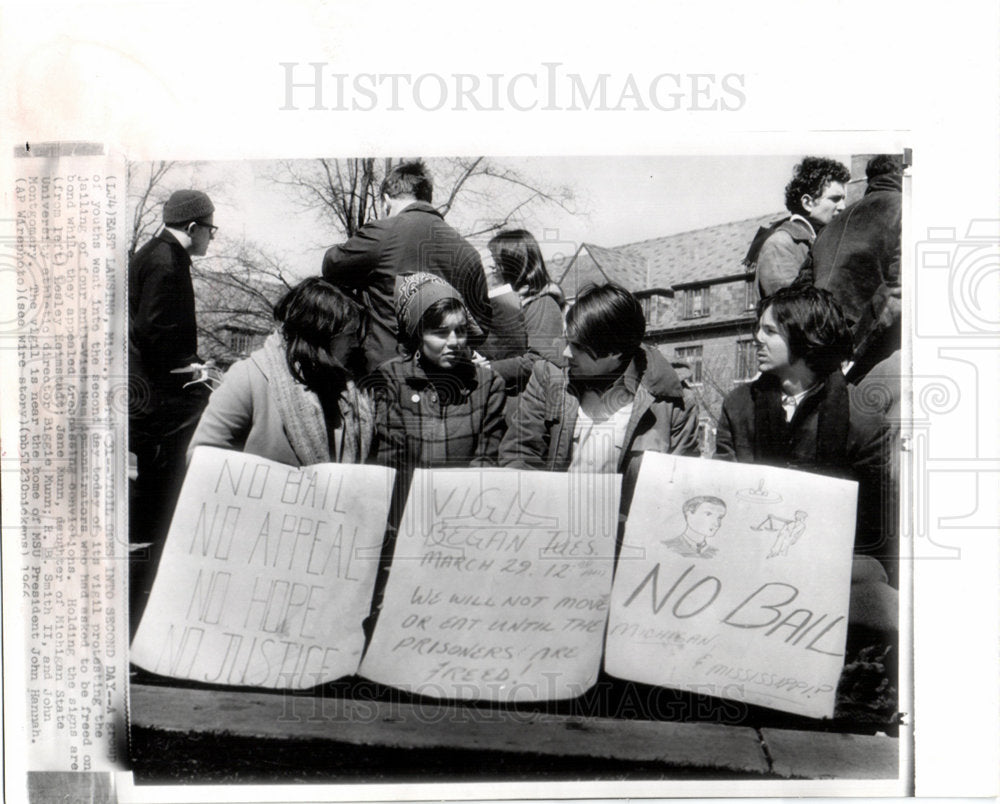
692	356
240	341
654	308
696	302
647	306
752	294
746	360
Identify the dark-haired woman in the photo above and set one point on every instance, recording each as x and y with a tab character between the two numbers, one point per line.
518	262
292	400
801	414
436	408
614	399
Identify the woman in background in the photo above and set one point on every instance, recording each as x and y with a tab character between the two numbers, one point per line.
518	262
293	400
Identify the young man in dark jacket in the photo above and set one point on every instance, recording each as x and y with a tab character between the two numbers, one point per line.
164	403
614	399
412	237
801	414
162	339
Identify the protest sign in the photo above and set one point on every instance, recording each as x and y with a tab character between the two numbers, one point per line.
267	572
733	580
499	585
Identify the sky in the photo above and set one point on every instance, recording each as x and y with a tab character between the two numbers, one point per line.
617	200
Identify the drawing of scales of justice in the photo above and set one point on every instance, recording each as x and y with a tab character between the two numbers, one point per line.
789	531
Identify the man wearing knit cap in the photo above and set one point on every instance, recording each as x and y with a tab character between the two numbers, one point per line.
411	236
162	338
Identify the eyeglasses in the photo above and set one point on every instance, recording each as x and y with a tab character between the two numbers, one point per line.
212	229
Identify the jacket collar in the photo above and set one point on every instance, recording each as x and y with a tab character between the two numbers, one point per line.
417	376
168	237
421	206
648	369
551	289
655	373
799	227
888	181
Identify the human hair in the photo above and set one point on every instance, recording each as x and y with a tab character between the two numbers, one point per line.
408	178
811	177
884	164
813	324
690	506
606	320
519	260
311	315
433	317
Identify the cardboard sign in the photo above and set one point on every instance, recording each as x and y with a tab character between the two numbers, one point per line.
267	572
733	581
499	585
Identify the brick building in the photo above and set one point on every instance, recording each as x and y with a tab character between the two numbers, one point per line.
698	298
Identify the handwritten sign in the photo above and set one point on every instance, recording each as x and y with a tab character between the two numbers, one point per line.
267	572
734	581
499	586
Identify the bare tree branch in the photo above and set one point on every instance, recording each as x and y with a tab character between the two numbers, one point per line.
344	192
467	173
145	214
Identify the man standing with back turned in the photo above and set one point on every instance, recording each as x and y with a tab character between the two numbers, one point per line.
412	236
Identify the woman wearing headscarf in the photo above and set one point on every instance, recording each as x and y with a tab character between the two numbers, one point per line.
435	407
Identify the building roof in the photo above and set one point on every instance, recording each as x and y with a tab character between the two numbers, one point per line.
695	256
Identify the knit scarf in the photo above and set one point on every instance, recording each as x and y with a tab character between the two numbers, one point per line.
302	413
773	434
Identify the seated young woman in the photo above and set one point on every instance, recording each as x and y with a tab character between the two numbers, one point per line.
293	400
801	414
435	407
614	399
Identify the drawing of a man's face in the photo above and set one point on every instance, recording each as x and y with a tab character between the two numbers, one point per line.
705	519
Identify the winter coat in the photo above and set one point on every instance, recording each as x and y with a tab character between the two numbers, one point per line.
163	336
849	439
436	419
778	253
416	239
541	425
856	257
508	337
543	320
162	331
